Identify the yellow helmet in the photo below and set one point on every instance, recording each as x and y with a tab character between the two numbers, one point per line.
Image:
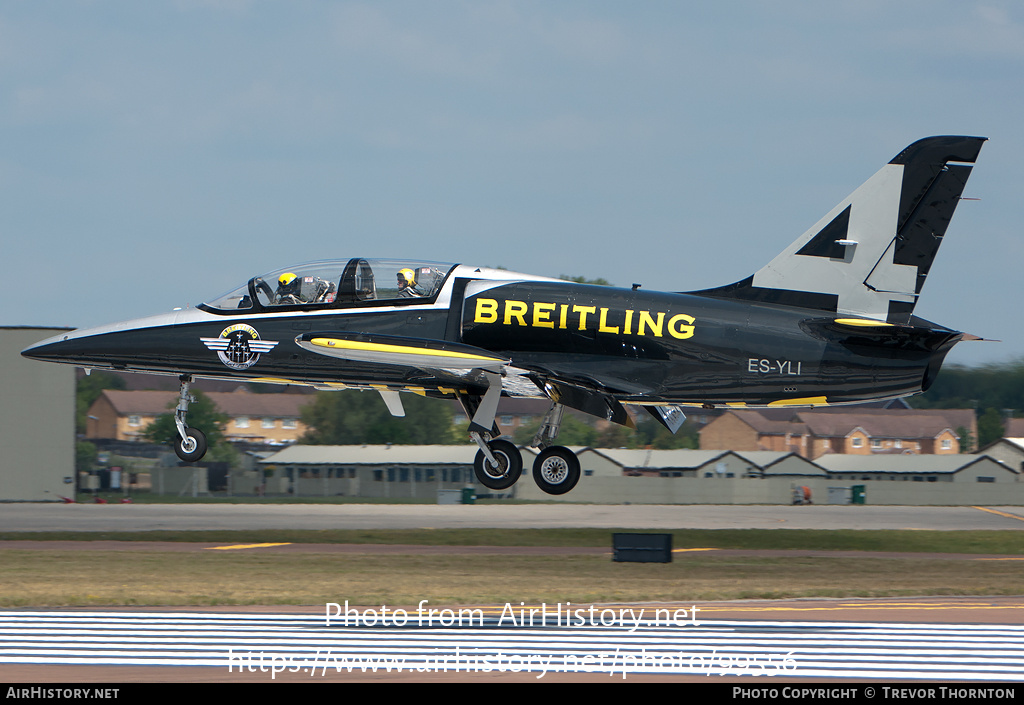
408	275
286	279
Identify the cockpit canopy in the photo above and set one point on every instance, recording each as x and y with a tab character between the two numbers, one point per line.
337	284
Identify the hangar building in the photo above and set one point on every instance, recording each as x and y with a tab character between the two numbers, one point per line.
37	421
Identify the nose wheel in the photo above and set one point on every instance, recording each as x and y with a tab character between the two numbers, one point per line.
192	447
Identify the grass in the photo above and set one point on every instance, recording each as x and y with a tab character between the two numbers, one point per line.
95	578
63	577
994	542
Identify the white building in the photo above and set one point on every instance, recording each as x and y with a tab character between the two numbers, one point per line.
385	471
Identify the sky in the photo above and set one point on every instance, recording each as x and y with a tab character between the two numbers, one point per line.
158	154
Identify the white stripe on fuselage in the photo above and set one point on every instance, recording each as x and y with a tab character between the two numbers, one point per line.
195	315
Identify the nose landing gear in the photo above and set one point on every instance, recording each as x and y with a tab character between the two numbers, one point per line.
191	443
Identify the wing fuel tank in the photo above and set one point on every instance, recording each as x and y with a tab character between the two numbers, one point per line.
398	350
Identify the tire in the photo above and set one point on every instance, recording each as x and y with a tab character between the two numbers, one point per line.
193	447
510	462
556	470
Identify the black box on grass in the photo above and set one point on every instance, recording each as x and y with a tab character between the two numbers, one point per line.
642	548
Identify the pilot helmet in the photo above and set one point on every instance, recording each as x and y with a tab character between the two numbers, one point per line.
286	279
408	276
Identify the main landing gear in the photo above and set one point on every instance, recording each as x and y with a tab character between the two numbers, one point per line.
499	464
556	469
191	443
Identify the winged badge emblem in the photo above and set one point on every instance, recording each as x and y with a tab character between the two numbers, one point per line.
239	346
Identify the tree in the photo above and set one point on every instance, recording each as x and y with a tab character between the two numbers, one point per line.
648	433
202	414
572	432
353	418
88	391
653	434
990	427
997	386
600	281
967	440
85	456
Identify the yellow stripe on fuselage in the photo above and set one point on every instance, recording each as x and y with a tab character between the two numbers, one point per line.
863	323
806	401
396	349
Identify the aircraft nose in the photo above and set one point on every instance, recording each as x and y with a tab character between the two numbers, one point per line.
59	347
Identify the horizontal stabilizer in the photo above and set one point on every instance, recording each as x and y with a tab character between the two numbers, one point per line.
398	350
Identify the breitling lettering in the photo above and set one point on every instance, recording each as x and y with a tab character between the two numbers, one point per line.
543	314
239	346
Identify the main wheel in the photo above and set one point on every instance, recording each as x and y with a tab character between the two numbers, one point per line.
556	470
510	466
193	447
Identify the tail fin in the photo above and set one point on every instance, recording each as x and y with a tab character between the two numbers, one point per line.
870	255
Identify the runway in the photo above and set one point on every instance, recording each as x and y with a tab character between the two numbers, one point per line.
593	642
978	640
147	517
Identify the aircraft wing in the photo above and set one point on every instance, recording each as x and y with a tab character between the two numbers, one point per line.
440	354
401	351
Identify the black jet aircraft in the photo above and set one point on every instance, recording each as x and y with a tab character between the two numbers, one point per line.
828	321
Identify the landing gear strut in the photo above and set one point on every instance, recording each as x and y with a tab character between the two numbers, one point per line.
498	463
191	443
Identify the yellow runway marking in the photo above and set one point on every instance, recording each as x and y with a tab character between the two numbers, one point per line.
1002	514
244	545
682	550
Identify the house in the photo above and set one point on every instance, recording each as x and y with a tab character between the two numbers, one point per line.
255	418
777	430
1013	428
813	434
